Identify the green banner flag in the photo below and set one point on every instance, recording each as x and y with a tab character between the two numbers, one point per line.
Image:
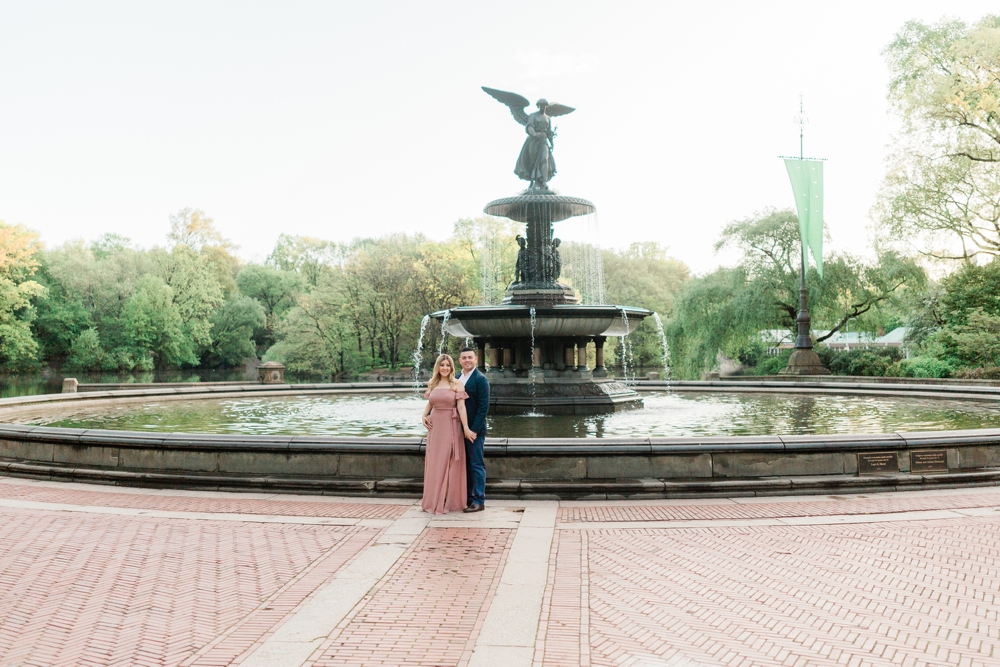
807	184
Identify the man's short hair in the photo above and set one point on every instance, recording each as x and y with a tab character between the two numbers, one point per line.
467	349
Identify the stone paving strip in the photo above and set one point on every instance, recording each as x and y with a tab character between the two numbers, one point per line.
508	636
429	608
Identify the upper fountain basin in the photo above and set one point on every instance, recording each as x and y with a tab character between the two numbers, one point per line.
542	207
514	321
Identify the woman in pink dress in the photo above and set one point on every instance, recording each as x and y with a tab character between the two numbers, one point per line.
446	422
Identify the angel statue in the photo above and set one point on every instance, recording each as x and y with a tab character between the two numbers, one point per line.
535	163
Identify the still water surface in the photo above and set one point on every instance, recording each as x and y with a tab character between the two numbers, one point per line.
665	414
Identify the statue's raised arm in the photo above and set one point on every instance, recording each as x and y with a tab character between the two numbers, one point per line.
535	164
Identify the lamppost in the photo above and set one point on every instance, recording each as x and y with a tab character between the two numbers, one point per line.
806	175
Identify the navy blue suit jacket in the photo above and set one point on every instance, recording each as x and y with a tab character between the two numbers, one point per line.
478	402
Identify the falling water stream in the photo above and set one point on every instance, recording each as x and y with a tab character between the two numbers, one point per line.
626	351
664	347
532	373
444	331
418	354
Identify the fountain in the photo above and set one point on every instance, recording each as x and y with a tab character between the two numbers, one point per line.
536	340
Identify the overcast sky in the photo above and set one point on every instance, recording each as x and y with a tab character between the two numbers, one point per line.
338	119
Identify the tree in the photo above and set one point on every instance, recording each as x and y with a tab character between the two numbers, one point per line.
154	327
233	328
379	282
726	310
643	275
309	257
60	316
490	244
274	289
969	288
194	289
316	336
942	189
850	289
19	248
192	228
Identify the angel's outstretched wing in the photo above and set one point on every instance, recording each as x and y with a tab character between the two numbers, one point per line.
514	102
558	110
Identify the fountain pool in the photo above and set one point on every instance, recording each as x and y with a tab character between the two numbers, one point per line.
666	414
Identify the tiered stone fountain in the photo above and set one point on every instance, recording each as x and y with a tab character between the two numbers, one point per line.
533	347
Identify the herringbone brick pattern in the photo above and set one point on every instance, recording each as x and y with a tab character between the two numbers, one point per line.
90	589
859	504
231	505
429	607
918	594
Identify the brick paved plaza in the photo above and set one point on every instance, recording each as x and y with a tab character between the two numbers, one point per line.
105	576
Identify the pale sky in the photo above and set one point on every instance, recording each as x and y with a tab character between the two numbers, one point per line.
338	119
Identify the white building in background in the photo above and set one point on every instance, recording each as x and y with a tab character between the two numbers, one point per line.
783	339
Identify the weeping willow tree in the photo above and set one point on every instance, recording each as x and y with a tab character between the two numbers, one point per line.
727	310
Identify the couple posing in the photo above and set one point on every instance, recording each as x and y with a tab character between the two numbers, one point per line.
455	418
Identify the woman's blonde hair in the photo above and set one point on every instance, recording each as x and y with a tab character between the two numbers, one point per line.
437	378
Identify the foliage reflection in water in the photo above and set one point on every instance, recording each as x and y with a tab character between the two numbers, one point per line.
665	414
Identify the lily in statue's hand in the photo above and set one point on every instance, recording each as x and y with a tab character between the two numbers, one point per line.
470	435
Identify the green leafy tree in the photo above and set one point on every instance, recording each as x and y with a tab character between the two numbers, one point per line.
941	195
85	352
316	336
643	275
974	343
194	229
274	289
969	288
309	257
233	329
726	310
153	327
195	291
19	248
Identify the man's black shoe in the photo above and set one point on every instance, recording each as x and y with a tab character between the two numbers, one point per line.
474	508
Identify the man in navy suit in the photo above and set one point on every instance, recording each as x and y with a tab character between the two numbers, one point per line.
476	406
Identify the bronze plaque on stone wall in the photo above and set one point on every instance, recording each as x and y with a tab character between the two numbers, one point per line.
873	463
929	460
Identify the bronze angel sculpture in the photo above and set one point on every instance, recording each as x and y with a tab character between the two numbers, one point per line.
535	163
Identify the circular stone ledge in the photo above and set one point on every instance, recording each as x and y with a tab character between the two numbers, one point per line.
604	468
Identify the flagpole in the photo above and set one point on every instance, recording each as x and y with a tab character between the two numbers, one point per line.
803	360
803	341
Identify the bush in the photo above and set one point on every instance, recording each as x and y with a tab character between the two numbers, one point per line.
770	365
921	367
981	373
867	362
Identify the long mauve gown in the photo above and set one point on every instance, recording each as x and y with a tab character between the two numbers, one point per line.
444	460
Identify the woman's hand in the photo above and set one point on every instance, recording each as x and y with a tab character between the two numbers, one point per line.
427	421
470	435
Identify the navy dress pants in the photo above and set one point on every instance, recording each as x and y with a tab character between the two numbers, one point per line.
475	470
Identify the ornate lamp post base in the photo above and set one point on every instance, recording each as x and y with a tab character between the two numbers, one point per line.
804	362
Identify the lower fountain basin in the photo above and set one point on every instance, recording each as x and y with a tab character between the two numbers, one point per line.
514	321
814	438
